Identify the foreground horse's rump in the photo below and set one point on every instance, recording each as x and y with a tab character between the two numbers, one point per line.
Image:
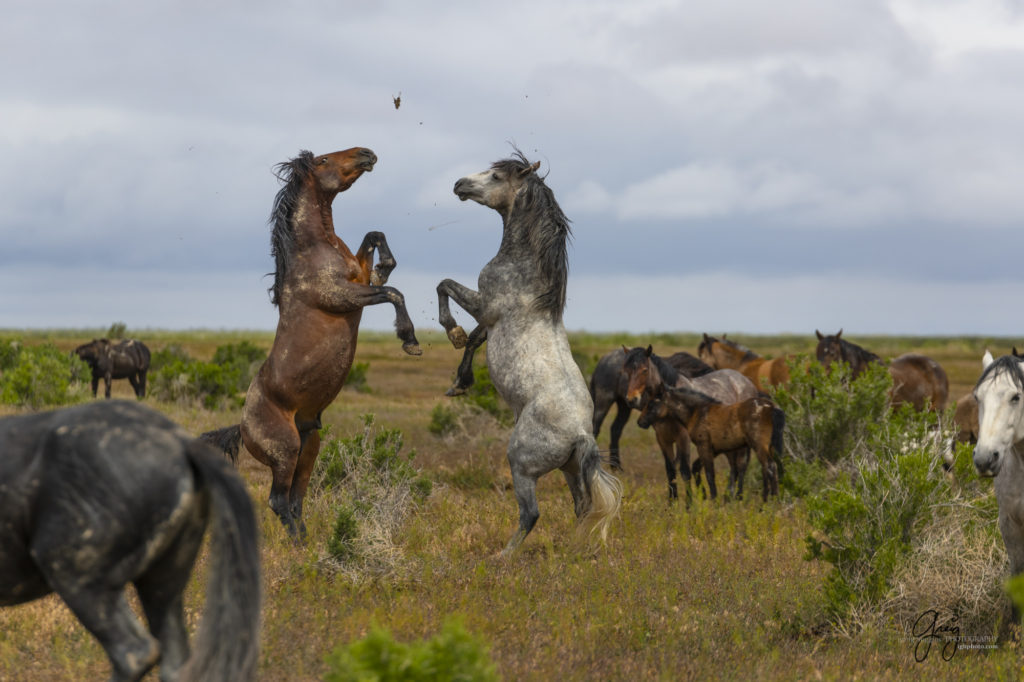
320	289
98	496
519	306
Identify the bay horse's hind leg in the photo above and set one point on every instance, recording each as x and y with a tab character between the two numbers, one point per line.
308	451
271	438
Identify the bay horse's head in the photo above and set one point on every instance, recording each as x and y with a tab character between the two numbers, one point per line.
830	348
337	171
498	186
642	376
999	394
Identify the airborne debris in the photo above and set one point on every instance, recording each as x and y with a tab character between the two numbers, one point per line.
398	99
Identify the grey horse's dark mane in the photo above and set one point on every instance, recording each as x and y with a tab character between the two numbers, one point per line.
282	235
683	393
547	232
1008	364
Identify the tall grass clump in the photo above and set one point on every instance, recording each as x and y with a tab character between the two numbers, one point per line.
453	655
38	376
369	487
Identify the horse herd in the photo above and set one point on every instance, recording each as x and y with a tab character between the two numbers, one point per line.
101	495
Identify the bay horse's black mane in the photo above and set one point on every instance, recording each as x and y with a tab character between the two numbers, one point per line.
850	351
282	235
1008	364
546	230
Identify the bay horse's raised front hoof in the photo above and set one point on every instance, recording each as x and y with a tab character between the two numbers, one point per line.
412	348
457	335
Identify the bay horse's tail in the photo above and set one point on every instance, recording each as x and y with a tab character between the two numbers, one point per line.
778	426
226	440
227	645
603	489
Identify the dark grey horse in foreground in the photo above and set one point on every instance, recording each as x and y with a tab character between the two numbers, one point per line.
519	302
109	493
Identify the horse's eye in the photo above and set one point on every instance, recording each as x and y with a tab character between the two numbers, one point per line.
495	176
1015	399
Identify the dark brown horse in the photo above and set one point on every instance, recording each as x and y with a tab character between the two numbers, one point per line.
725	353
916	378
320	289
128	359
608	386
646	373
755	423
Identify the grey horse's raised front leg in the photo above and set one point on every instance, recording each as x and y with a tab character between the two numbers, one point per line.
464	375
468	300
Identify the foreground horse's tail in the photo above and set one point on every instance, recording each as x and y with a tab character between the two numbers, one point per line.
778	426
226	440
603	489
227	645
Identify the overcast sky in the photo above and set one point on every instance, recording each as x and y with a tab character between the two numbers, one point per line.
733	166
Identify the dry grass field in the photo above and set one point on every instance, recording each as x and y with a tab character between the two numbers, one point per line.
717	591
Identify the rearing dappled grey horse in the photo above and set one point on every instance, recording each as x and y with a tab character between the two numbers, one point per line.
1000	448
520	302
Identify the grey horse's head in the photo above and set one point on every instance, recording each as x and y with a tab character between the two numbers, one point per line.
1000	413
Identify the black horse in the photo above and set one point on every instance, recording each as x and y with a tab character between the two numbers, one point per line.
608	385
108	493
128	359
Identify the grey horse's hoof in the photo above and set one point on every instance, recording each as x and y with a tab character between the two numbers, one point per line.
457	335
454	391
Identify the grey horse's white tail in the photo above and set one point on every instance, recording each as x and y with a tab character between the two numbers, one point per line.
603	489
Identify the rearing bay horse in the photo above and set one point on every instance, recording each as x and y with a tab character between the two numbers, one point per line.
916	378
519	304
320	289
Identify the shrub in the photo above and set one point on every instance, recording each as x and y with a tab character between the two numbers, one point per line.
42	375
118	330
828	413
370	488
484	396
9	349
176	377
444	420
453	654
870	519
356	379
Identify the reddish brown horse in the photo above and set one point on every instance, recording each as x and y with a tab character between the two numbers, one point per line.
755	423
320	289
725	353
916	378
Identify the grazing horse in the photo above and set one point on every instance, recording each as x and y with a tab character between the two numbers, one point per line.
320	288
647	372
520	302
755	423
1000	449
725	353
608	386
916	378
128	359
104	494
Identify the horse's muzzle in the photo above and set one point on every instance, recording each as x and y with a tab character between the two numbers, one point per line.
987	462
462	188
369	159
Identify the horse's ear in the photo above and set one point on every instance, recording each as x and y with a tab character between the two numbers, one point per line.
624	349
1016	354
986	360
650	349
531	169
820	337
839	333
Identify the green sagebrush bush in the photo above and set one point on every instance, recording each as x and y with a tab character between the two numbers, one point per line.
869	520
356	379
371	487
480	397
177	377
38	376
452	655
827	412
